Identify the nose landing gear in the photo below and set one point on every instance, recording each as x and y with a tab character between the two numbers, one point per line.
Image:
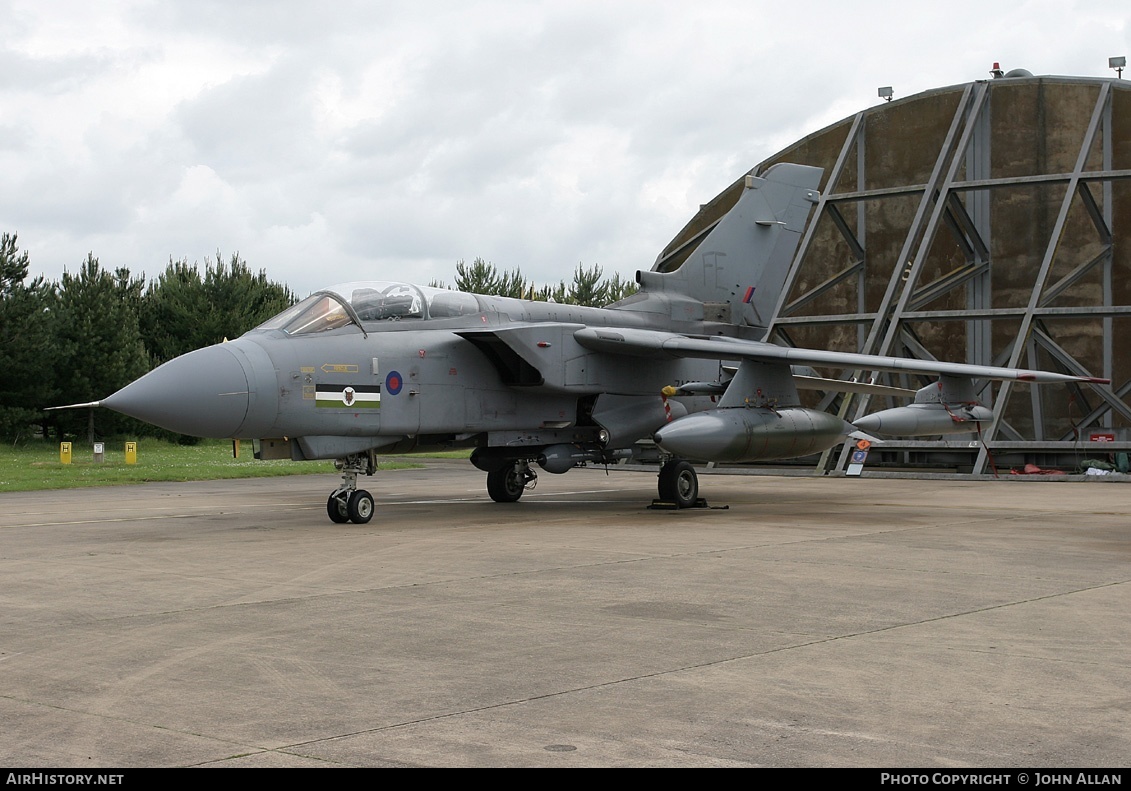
347	503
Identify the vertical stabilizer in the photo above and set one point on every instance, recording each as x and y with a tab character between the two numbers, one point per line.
736	273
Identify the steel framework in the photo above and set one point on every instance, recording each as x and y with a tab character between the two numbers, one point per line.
980	221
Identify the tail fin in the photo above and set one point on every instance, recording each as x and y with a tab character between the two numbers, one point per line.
737	272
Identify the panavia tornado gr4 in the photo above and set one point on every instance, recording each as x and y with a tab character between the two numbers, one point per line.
368	368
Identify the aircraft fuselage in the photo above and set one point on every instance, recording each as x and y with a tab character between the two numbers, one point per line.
503	372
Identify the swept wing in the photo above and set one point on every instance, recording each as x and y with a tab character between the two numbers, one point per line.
653	343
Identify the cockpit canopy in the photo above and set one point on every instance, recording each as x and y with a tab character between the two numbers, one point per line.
370	301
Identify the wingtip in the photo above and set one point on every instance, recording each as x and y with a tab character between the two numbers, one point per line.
1036	376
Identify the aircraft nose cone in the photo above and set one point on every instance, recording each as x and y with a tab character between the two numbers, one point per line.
203	393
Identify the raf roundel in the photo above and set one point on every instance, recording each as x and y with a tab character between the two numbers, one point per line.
393	383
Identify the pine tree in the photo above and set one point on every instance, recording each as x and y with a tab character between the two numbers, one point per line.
182	310
588	288
171	311
481	277
620	288
27	352
13	264
98	340
512	284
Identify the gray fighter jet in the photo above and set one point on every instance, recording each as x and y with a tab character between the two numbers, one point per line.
370	368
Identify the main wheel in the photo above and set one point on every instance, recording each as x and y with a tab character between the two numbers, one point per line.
679	483
360	507
505	485
336	509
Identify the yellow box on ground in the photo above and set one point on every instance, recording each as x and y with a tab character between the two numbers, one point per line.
131	453
64	453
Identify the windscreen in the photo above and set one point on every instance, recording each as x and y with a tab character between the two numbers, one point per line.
317	313
372	301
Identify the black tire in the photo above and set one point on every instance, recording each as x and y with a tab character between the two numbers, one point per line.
360	507
336	509
679	483
505	485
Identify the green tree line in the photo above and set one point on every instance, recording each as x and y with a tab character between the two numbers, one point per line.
96	330
588	286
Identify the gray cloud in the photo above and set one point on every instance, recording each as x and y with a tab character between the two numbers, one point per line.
361	139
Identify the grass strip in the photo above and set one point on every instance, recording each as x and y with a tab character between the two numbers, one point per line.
36	466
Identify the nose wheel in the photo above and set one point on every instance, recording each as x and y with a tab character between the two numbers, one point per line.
347	503
338	509
356	507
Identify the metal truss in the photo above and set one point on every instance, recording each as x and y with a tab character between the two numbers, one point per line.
956	206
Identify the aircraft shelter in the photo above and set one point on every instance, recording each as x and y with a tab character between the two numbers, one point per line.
985	222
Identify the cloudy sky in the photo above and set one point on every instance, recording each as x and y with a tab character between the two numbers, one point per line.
344	140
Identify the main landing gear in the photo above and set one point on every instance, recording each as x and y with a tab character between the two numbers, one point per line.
506	485
347	503
679	484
